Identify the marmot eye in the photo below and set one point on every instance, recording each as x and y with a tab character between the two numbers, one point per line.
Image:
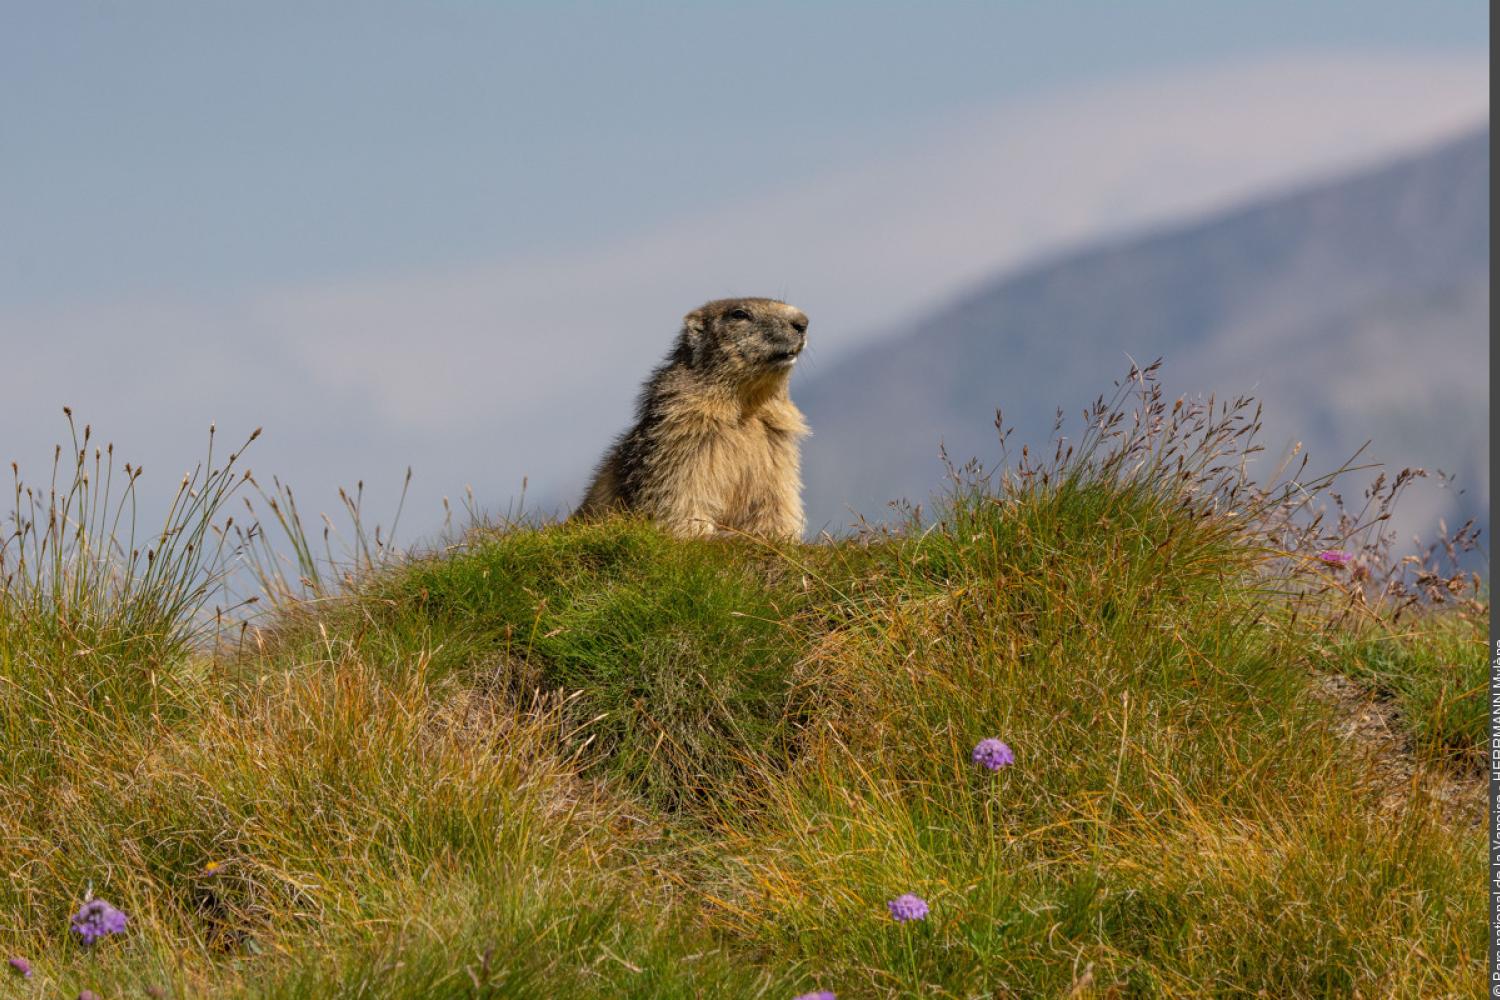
740	314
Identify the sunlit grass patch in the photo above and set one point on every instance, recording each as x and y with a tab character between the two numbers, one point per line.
1434	666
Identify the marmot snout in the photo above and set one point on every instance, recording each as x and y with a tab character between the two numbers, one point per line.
715	442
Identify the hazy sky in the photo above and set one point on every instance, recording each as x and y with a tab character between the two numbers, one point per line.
456	235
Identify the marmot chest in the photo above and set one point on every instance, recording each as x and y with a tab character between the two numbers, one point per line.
748	462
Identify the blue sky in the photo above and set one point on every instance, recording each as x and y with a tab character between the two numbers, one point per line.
192	146
456	235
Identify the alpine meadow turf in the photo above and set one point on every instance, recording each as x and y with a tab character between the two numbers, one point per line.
592	760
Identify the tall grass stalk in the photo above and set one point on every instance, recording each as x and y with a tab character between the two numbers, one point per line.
72	568
286	564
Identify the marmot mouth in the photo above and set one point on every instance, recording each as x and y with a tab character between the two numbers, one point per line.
784	358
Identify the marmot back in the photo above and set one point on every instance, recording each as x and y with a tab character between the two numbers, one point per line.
715	442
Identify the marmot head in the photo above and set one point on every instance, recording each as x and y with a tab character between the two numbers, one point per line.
743	340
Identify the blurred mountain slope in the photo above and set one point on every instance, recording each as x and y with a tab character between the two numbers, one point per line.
1356	308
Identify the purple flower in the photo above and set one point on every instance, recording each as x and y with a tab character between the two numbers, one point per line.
817	995
1337	557
22	967
88	995
908	907
97	919
993	754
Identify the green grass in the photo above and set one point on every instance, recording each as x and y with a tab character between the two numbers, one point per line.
595	761
1435	668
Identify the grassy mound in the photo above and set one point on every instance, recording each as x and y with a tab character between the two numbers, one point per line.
592	760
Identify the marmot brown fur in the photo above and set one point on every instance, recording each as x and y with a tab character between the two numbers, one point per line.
715	442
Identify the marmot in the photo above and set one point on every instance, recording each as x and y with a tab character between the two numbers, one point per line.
715	442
